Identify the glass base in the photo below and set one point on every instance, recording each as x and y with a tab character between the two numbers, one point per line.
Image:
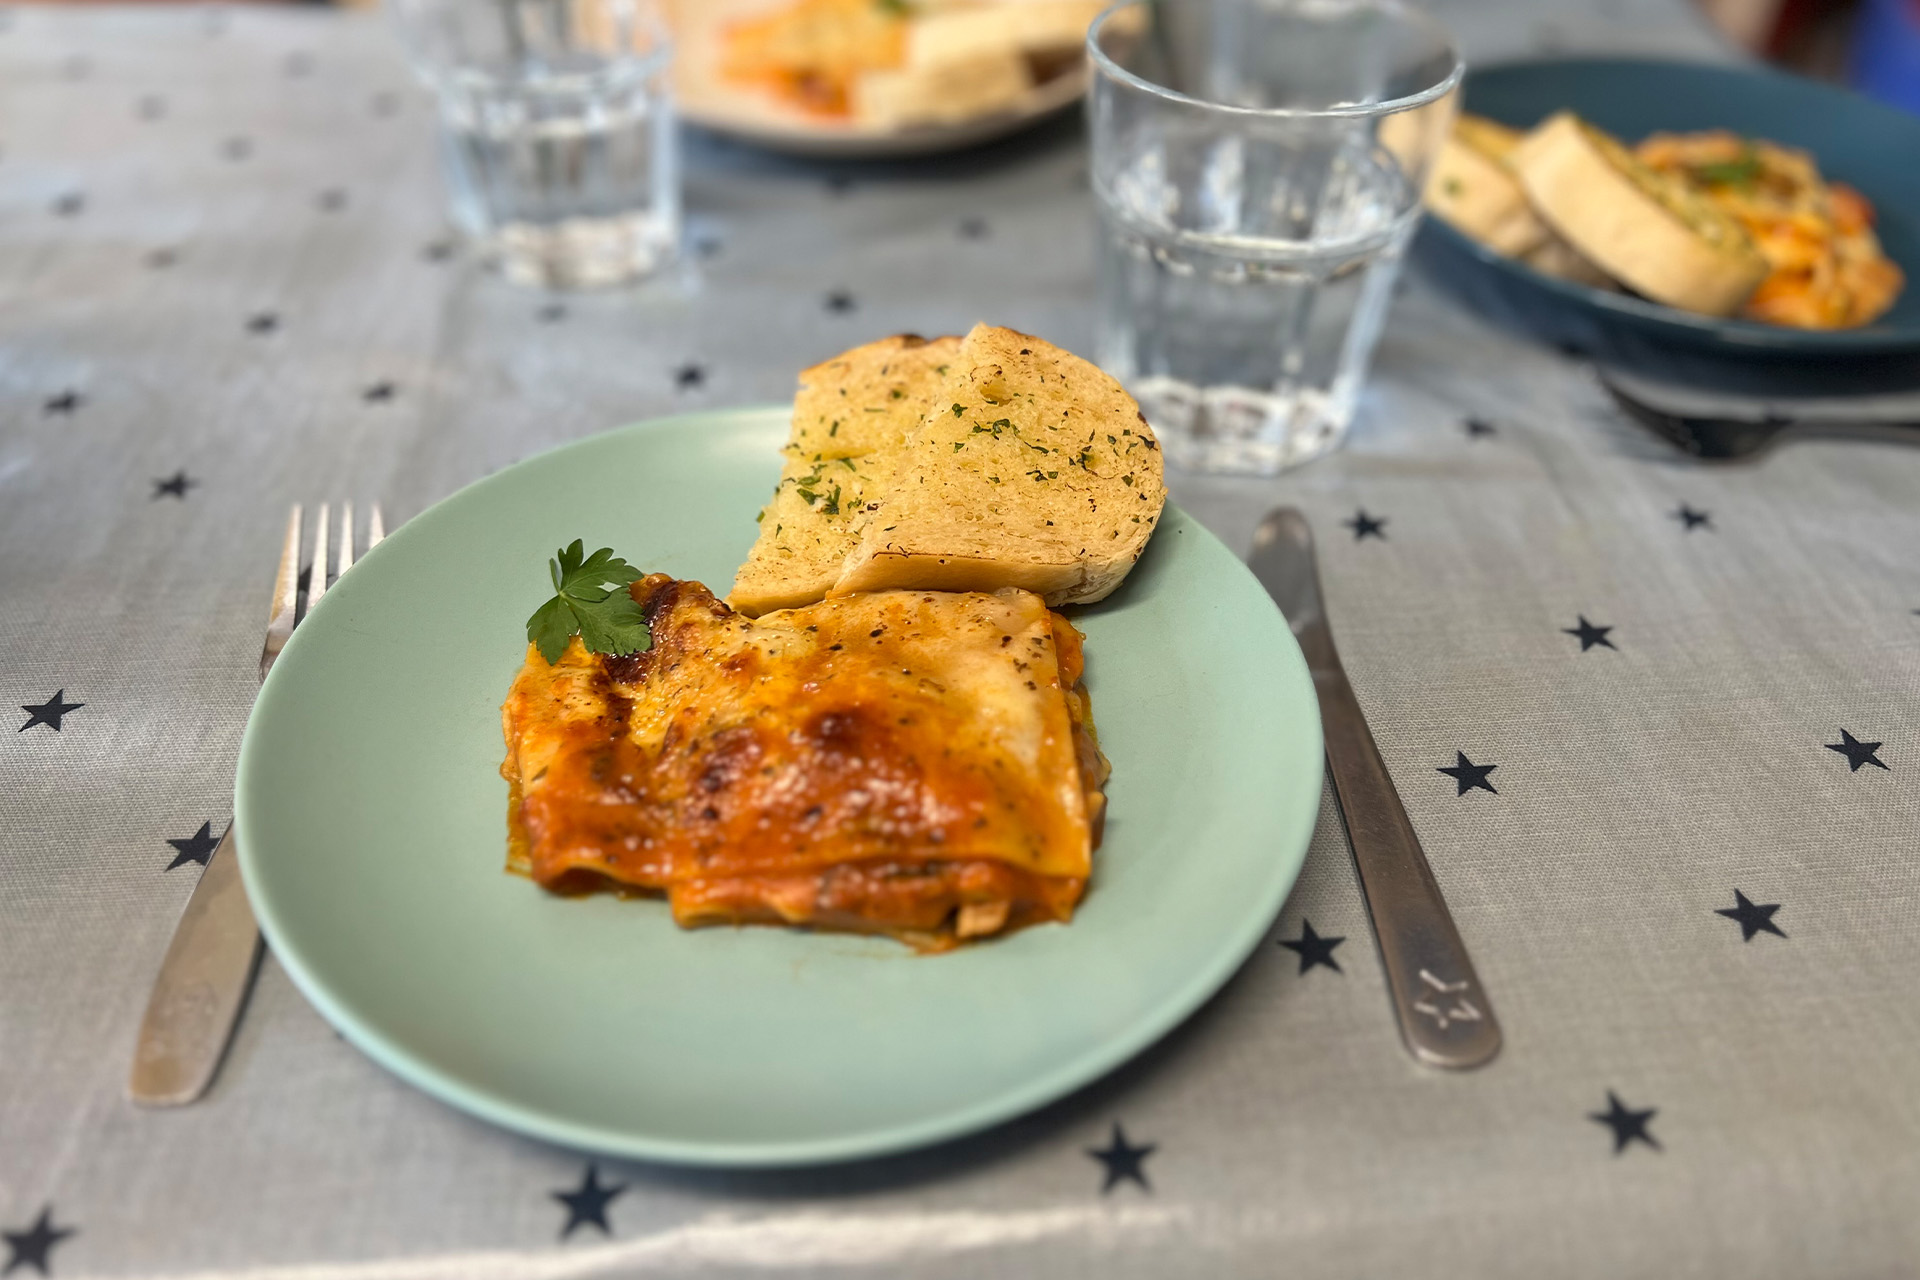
578	253
1241	430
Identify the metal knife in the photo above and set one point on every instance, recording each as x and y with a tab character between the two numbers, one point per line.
1444	1014
209	966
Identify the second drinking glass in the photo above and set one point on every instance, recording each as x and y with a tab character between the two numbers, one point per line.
558	131
1258	169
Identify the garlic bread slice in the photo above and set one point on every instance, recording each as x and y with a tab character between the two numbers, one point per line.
1032	469
1642	228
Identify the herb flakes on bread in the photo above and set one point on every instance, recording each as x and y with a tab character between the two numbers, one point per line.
1033	469
997	460
850	415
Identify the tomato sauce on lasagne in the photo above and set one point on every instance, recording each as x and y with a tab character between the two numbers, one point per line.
918	764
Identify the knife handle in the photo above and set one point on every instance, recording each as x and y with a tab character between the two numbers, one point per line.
203	982
1444	1015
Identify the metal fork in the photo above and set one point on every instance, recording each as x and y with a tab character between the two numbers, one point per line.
1727	439
203	982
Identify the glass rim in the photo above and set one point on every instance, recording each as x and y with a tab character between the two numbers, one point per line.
1432	93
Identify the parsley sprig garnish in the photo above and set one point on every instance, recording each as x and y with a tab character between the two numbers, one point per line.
591	599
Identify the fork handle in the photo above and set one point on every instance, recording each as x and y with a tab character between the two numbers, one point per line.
1444	1015
202	985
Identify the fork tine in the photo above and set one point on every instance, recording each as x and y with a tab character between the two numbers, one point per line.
346	540
317	583
375	529
286	587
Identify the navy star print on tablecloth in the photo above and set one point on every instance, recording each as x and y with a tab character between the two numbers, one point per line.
33	1247
1859	754
197	847
1364	525
1468	774
1690	519
587	1204
1751	918
1312	948
49	713
174	486
1124	1162
1627	1124
1588	634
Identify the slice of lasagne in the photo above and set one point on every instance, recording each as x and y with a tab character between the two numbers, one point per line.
914	763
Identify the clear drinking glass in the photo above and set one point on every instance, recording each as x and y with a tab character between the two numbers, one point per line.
557	130
1258	167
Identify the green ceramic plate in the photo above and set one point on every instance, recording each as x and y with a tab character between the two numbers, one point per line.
371	824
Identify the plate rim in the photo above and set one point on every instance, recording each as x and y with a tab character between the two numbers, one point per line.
1727	334
1289	856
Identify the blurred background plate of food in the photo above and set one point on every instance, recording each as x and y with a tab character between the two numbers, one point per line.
1643	211
860	79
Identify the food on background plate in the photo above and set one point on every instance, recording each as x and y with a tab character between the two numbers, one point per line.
1706	222
916	764
945	92
1473	186
809	53
1646	230
1827	269
902	63
997	460
901	742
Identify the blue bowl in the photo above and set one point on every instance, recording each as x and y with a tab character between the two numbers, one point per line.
1867	146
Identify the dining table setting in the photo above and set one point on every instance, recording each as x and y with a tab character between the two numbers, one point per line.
1330	683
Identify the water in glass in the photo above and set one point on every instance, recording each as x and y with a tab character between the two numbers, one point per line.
1246	345
558	133
568	173
1253	217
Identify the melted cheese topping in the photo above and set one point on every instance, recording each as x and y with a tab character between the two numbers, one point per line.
907	762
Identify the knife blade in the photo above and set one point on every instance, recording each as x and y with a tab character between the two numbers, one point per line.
203	981
1444	1015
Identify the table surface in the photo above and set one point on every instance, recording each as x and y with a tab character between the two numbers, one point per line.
217	236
